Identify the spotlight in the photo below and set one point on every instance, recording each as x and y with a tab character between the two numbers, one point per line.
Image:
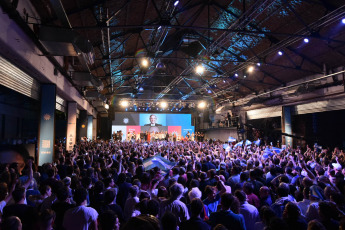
124	103
176	3
258	64
141	89
202	105
145	62
250	69
199	69
164	104
224	81
306	40
209	91
106	106
280	53
244	76
236	74
343	20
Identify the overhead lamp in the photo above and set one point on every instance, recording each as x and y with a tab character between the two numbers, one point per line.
176	3
250	69
144	62
306	40
124	103
236	74
106	106
163	104
224	81
209	91
199	69
280	53
343	20
258	64
244	76
202	105
141	89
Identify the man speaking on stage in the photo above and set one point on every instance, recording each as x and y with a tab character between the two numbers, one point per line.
153	120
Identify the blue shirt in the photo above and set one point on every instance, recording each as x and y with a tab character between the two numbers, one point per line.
229	219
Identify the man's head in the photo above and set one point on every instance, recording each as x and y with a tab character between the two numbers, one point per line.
264	192
196	207
153	119
14	154
80	196
18	194
226	201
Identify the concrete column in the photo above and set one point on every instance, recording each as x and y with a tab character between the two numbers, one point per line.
89	127
287	125
94	129
82	128
46	139
71	125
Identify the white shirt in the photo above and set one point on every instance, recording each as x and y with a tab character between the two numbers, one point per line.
79	218
303	206
250	214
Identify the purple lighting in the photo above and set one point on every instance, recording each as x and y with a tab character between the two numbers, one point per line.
176	3
280	53
343	21
306	40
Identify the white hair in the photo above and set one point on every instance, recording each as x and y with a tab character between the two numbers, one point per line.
194	193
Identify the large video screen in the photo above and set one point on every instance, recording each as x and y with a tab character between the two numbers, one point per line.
127	122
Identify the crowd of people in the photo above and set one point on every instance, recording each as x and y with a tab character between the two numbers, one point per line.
114	185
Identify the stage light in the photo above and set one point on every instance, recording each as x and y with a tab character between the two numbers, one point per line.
224	81
106	106
244	76
250	69
209	91
236	74
280	53
164	104
124	103
145	62
141	89
200	69
306	40
258	64
343	20
176	3
202	105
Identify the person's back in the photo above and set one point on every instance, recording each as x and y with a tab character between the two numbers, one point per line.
80	217
248	211
26	213
61	206
195	222
174	205
226	217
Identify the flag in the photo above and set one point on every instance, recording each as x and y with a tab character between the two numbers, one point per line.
257	142
277	150
231	139
158	161
267	153
248	142
239	144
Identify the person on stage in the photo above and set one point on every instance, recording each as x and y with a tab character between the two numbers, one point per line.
153	121
166	136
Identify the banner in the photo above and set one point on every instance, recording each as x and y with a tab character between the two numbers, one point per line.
47	124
